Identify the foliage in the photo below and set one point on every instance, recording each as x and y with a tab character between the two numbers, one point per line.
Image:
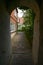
29	23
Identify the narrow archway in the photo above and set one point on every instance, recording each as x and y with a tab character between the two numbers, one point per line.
34	6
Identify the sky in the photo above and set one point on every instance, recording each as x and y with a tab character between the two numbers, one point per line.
20	13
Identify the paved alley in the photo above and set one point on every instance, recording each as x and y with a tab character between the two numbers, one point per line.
21	52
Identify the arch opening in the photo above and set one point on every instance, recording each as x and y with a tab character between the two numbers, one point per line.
35	8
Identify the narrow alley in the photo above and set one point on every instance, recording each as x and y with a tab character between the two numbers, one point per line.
21	52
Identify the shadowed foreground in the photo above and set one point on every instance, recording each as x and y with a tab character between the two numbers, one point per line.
21	52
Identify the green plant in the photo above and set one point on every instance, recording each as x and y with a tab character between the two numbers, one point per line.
29	24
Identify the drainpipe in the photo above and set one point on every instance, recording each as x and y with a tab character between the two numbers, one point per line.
17	21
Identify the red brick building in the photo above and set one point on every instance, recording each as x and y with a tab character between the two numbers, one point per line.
13	16
13	20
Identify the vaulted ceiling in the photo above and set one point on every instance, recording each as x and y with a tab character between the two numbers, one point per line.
11	4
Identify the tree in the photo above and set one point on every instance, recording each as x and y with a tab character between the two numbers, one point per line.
29	24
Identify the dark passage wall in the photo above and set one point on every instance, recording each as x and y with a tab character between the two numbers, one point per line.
40	55
5	44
